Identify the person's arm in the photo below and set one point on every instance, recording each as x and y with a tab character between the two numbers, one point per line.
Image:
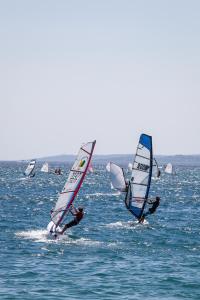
73	210
151	201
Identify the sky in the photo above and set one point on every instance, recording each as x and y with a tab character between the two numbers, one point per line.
75	71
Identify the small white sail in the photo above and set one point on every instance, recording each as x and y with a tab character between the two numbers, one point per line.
130	166
169	168
45	168
90	169
108	167
117	177
155	170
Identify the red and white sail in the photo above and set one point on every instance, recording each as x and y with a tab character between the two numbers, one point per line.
72	185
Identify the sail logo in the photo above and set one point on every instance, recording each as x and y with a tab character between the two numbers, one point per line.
82	162
75	176
142	167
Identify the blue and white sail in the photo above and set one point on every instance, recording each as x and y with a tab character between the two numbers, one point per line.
72	185
117	177
139	184
30	168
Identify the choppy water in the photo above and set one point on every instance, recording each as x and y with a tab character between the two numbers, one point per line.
108	256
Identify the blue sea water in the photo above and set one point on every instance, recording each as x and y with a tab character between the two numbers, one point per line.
108	255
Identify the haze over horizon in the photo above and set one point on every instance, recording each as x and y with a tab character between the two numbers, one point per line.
75	71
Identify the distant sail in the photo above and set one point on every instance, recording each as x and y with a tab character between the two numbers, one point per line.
130	165
169	169
30	168
155	171
108	167
73	184
45	168
117	177
90	168
139	184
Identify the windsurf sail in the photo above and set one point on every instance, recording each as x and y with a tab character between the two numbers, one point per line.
130	167
108	167
73	184
30	168
169	168
139	184
90	168
45	168
155	171
117	177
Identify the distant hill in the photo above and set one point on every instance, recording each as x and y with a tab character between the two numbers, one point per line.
124	159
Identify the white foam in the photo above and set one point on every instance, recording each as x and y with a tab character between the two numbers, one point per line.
23	178
127	225
43	236
37	235
103	194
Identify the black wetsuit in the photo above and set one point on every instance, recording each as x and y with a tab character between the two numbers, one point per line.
154	206
75	221
152	209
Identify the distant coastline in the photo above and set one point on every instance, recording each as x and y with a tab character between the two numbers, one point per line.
124	159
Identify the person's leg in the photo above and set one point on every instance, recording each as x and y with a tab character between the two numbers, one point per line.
70	224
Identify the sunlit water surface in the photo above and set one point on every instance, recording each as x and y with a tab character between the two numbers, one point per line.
108	256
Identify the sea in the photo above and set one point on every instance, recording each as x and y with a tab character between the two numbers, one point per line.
108	255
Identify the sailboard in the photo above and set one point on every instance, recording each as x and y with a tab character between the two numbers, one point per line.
45	168
30	168
169	168
117	177
72	185
139	184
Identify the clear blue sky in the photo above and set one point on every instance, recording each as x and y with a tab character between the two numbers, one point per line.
75	71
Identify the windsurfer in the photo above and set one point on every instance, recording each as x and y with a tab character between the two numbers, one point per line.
155	203
78	215
58	171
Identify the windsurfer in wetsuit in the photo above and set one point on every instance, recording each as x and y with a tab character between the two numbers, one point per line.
78	215
155	203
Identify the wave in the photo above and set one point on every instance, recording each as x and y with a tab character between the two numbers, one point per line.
103	194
